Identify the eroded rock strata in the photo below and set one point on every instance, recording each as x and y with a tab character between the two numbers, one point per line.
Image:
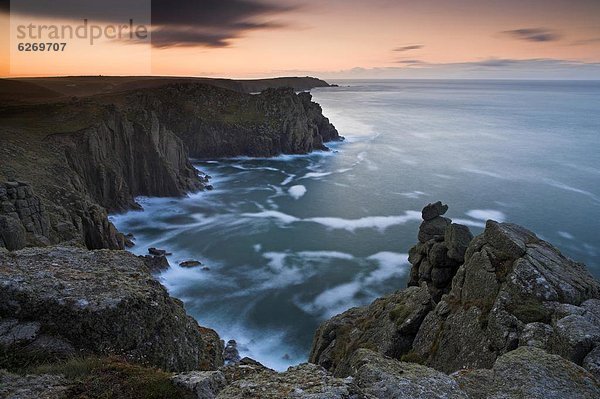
61	302
87	156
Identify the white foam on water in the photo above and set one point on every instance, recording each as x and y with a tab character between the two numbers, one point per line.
276	260
288	180
391	264
242	167
326	254
566	187
485	173
257	247
297	191
271	214
380	223
334	300
469	222
315	175
487	214
567	235
412	194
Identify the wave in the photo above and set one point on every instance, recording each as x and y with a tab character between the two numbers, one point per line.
486	214
297	191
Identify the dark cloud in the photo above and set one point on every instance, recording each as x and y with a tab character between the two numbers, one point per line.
4	6
408	48
533	34
187	36
411	62
211	23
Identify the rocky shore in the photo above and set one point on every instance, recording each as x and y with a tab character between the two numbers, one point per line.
500	315
516	319
67	163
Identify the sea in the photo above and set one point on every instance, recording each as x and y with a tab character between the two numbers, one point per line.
291	241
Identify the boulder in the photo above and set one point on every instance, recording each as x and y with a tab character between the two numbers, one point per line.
190	263
156	264
431	211
380	377
43	386
529	373
433	228
12	233
388	324
99	302
305	381
203	384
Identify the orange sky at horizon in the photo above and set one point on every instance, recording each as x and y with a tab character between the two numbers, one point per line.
336	36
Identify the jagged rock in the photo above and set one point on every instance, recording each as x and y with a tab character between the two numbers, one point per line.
231	354
203	384
592	362
432	229
242	369
44	386
100	302
305	381
431	211
513	290
440	251
457	238
12	233
529	373
381	377
212	355
158	252
388	324
156	264
190	263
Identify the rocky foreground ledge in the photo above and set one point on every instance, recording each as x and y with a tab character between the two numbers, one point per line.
500	315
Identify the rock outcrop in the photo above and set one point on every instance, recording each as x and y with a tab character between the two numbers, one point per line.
513	290
23	218
388	325
214	122
528	372
516	310
440	251
64	301
89	156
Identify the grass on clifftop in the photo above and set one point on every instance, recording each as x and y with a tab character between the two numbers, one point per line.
112	378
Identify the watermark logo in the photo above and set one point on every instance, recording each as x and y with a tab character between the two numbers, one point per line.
74	37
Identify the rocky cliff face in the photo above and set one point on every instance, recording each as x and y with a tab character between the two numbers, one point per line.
120	158
215	122
91	156
59	302
509	290
513	290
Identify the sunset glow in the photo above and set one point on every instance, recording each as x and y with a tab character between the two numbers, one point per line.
341	39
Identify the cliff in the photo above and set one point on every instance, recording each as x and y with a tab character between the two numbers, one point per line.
214	122
517	320
506	301
60	302
82	158
56	88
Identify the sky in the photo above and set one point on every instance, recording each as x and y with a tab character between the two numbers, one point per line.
334	39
